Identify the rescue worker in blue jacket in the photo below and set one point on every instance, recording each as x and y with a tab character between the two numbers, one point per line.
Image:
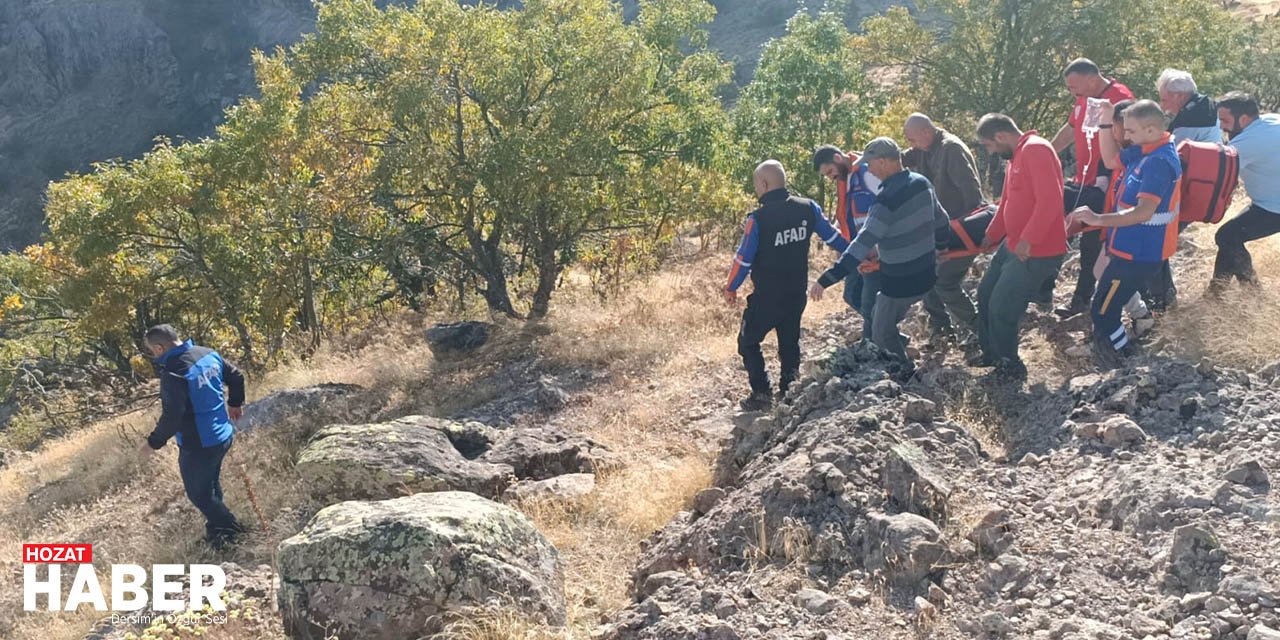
775	252
197	412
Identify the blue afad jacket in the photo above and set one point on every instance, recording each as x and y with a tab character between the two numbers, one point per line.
194	406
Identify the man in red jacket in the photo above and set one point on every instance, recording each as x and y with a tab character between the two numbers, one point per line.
1030	223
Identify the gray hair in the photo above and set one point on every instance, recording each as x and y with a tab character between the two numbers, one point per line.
1175	81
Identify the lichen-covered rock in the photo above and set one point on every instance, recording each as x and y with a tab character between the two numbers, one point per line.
388	570
570	487
397	458
322	403
546	452
1195	560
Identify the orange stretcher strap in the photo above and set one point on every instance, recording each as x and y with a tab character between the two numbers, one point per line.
869	266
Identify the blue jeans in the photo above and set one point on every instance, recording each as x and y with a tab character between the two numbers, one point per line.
860	291
201	471
1121	279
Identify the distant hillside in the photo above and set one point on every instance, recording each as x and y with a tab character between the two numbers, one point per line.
90	80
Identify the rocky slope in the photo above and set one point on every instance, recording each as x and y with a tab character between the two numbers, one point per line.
1138	504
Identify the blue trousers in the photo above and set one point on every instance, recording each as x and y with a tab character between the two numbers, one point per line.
1120	280
860	291
201	470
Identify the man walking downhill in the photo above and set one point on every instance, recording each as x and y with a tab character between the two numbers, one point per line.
196	412
1030	223
949	165
775	252
1143	232
1084	80
856	189
905	225
1256	138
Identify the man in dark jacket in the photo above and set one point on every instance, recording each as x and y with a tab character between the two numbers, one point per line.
949	165
906	225
196	411
775	252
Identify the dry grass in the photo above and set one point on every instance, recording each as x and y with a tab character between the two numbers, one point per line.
665	350
1241	329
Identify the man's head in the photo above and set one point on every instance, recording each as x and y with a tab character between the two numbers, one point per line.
161	338
1237	110
1176	88
769	175
1144	122
883	157
919	131
999	134
1084	79
1117	129
831	162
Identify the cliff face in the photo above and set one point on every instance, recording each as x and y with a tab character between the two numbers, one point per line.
87	80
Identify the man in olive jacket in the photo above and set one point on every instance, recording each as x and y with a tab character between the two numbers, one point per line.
949	165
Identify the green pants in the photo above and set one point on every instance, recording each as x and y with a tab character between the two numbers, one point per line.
1003	296
948	300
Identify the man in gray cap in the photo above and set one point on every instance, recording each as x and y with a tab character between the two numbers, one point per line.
906	225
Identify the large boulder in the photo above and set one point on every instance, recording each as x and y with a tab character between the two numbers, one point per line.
391	569
408	455
320	403
905	548
1195	560
457	338
545	452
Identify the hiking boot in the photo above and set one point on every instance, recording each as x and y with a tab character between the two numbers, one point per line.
1143	325
1009	370
940	338
757	401
1106	355
1076	307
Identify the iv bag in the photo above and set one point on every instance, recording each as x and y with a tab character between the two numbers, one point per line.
1092	115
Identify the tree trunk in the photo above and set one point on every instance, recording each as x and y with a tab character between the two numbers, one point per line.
548	274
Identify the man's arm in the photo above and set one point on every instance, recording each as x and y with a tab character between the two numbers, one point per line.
862	246
746	253
234	379
1158	179
827	232
173	405
962	171
1064	138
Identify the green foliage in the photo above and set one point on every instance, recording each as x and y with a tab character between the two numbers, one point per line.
810	89
968	58
1261	71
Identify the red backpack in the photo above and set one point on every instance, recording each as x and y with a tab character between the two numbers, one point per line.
1209	175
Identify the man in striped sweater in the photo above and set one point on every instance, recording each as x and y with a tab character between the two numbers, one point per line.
905	224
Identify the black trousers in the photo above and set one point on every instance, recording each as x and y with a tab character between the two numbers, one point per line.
1233	258
201	471
1090	243
763	315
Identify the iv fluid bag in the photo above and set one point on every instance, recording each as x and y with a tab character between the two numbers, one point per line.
1092	115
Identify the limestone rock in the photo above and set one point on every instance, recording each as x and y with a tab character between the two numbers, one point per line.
389	459
570	487
903	547
385	570
914	483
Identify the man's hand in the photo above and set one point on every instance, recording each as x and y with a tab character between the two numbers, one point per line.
146	449
988	244
1106	112
1085	216
815	291
235	412
730	297
1022	250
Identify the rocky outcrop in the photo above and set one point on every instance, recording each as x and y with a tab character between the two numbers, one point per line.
319	404
457	338
397	568
396	458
